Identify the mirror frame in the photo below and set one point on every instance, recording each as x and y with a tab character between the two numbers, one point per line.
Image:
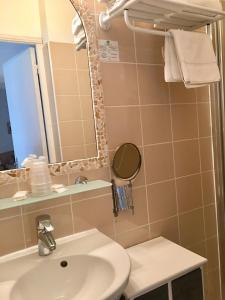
63	168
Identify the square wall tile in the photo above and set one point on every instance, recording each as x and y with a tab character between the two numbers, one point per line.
123	124
73	152
210	221
11	235
189	193
125	38
180	94
62	55
89	131
206	154
92	194
87	107
203	94
159	163
156	124
119	84
145	51
126	220
187	159
152	86
199	248
204	119
91	150
133	237
184	121
167	228
82	59
96	212
208	187
84	82
191	227
162	201
65	82
10	212
71	133
69	108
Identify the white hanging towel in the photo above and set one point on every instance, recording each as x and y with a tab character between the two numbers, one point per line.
172	69
77	25
80	39
196	60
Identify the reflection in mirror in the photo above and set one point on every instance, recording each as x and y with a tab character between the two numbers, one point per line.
45	92
126	162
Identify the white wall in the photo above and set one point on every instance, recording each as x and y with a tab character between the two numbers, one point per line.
20	18
37	19
58	20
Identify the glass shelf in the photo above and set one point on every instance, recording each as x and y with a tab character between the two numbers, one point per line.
6	203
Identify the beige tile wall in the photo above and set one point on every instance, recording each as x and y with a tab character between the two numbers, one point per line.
74	101
174	192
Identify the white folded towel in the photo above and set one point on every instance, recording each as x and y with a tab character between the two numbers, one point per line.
79	37
194	59
172	69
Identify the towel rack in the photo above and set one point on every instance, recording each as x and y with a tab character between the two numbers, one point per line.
164	14
139	29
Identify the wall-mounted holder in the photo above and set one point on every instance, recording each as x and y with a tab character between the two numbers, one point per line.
122	197
126	165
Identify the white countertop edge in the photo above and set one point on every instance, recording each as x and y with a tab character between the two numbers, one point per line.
136	286
159	283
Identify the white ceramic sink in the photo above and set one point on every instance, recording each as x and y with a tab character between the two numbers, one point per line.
84	266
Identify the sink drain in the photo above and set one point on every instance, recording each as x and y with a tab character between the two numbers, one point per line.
64	264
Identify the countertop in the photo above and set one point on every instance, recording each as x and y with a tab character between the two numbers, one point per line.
157	262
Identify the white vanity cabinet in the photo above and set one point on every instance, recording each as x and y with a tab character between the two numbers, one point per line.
163	270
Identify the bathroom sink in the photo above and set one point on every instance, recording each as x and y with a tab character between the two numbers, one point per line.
78	280
84	266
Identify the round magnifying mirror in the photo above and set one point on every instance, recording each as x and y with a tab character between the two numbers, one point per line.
127	161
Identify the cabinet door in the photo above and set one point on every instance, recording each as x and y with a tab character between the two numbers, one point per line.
160	293
188	286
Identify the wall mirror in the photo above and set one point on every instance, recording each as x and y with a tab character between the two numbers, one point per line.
126	161
50	87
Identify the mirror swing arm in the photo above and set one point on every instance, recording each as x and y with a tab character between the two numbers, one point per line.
122	197
125	166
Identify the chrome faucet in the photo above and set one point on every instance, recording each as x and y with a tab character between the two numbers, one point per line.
46	242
